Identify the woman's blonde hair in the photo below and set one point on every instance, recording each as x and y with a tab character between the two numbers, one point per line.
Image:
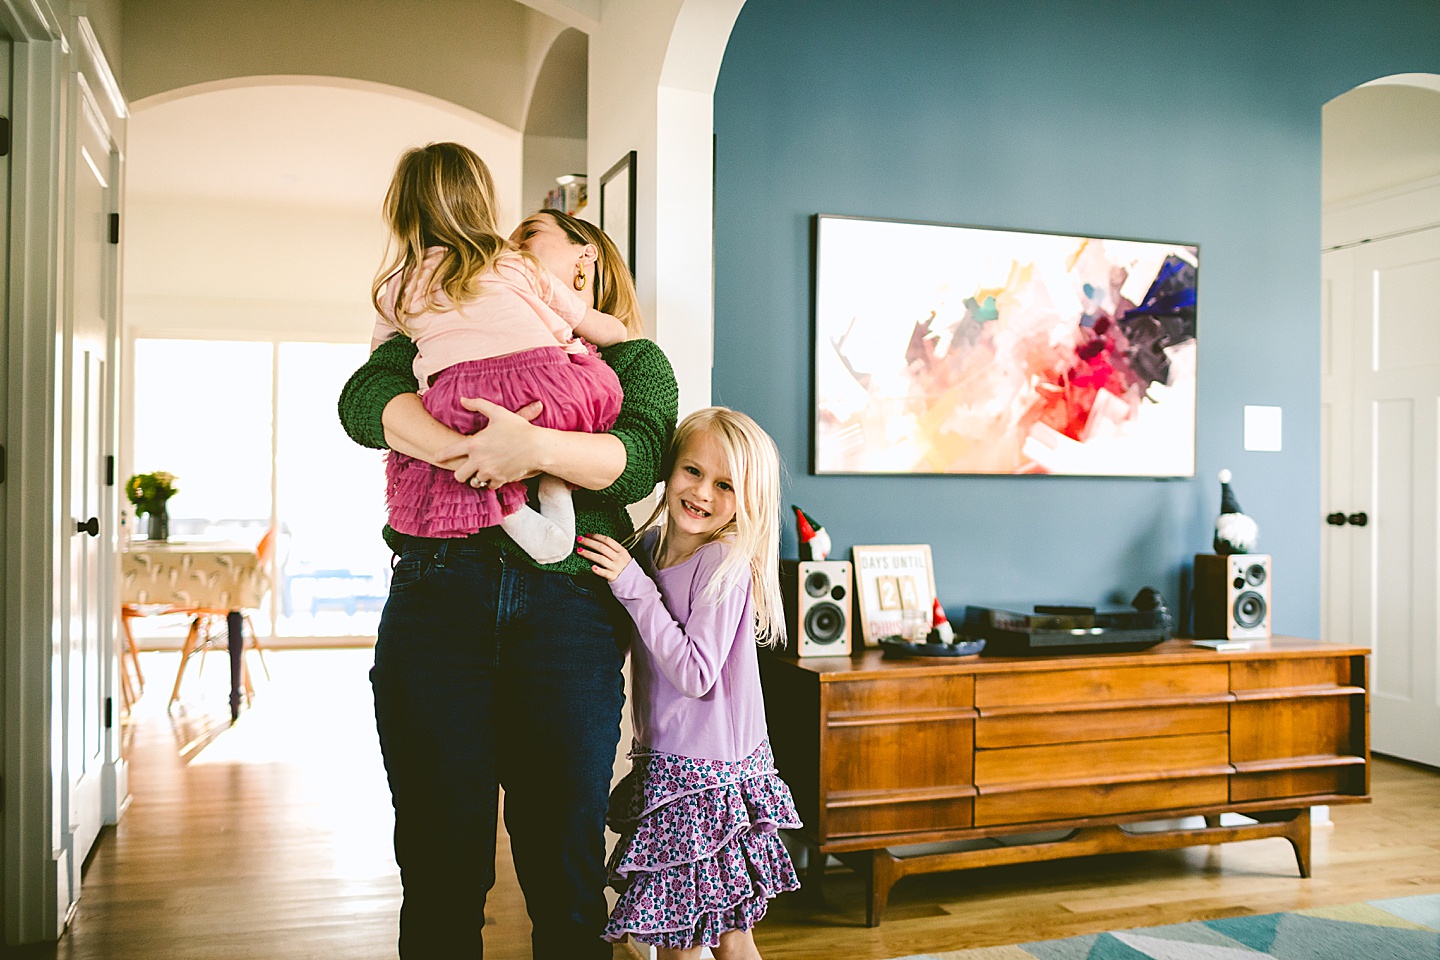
442	195
754	533
614	287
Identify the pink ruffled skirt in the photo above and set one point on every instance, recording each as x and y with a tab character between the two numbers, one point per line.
699	852
579	392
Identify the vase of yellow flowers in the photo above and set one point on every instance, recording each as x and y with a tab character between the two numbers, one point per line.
150	492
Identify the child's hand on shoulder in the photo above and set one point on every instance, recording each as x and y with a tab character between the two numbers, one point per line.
606	555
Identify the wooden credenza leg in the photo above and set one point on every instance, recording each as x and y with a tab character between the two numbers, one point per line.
882	877
1297	831
1300	839
814	883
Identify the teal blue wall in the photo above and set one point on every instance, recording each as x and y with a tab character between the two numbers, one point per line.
1197	122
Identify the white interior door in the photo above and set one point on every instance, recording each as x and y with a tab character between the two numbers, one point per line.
1394	299
6	51
84	674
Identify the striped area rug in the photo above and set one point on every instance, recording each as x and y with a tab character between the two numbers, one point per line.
1407	928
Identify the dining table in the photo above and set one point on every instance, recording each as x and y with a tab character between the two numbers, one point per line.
196	577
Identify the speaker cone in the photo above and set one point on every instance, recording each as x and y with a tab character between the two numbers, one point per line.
825	623
1249	609
1255	574
817	584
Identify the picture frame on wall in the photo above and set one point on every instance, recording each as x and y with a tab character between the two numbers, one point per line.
617	207
1004	351
894	591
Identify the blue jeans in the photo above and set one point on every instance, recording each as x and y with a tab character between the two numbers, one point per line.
487	672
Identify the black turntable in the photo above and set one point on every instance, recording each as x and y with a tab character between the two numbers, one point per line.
1060	629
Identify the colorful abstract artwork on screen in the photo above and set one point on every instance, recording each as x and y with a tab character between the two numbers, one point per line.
943	349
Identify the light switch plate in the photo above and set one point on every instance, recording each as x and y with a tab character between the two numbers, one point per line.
1262	428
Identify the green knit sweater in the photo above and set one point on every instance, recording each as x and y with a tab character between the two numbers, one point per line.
646	422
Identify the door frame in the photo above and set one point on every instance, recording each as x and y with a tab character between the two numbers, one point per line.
1381	215
50	56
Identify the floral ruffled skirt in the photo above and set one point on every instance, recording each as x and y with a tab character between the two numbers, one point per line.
699	852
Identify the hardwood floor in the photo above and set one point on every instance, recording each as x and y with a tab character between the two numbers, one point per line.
1390	848
271	839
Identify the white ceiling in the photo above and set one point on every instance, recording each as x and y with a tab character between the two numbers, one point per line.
311	144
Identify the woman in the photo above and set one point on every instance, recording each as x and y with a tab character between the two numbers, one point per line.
492	670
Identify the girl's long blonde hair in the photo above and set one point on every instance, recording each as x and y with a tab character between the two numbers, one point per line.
754	533
442	195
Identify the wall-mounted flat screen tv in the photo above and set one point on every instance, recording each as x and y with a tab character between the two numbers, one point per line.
973	350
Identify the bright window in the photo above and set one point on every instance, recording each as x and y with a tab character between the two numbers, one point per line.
250	431
331	499
203	412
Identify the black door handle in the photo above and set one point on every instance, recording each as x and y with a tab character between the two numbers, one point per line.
91	526
1336	519
1358	519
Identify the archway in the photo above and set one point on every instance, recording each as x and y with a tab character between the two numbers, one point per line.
555	118
252	235
1380	388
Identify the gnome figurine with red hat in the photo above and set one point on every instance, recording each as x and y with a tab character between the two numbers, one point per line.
814	541
940	631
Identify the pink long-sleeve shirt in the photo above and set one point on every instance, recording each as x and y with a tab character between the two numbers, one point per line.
518	306
694	673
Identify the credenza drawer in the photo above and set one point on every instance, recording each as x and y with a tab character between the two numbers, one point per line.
1173	682
876	815
1304	672
903	755
1097	800
1160	756
1297	783
1049	726
1301	727
854	701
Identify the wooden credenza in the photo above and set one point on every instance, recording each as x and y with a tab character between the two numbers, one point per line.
889	753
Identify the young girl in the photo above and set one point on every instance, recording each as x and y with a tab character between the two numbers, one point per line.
699	855
489	321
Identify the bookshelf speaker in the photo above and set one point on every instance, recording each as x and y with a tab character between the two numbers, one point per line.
1232	595
817	607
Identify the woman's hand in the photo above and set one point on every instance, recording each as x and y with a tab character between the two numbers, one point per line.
607	557
506	450
510	448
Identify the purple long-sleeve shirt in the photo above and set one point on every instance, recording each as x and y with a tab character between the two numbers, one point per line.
694	674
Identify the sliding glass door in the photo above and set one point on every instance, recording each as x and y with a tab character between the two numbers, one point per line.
250	431
330	497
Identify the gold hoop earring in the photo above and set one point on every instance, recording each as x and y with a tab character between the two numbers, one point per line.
580	278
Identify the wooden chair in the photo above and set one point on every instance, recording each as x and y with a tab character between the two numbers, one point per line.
208	627
132	678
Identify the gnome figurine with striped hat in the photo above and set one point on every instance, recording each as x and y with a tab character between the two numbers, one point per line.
814	541
1234	531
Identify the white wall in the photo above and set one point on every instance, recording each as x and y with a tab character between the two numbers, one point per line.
545	159
653	65
218	268
257	208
